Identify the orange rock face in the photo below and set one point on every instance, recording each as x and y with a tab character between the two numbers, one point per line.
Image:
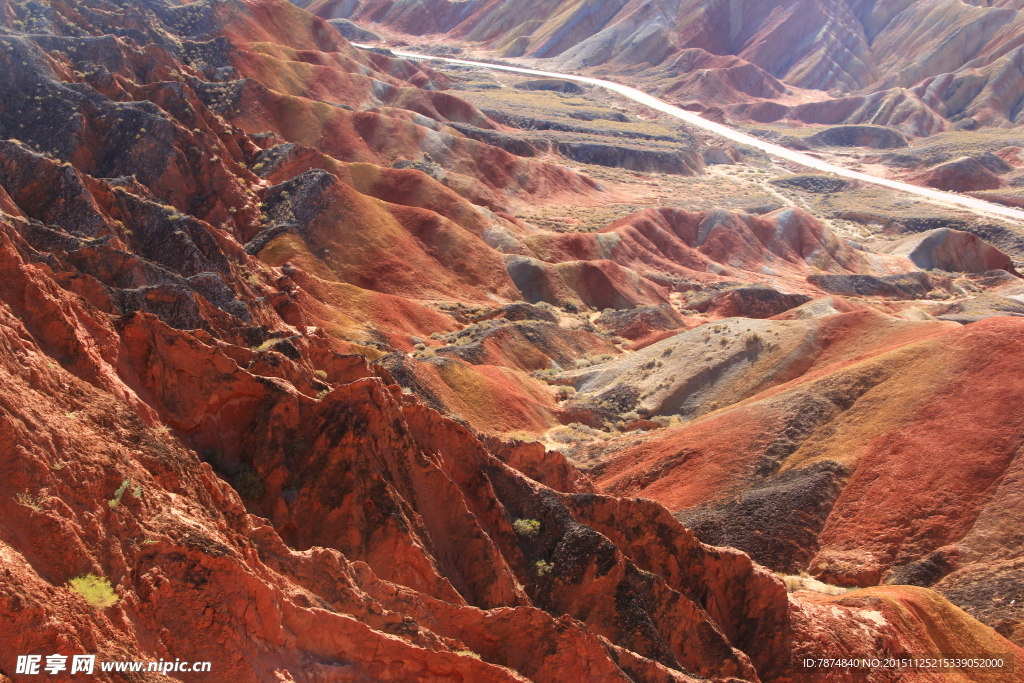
213	291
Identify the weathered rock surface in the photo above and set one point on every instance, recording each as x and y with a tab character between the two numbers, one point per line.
203	429
904	286
523	345
798	471
643	325
746	302
819	184
684	162
712	366
950	250
876	137
378	587
667	245
982	307
552	84
965	174
353	32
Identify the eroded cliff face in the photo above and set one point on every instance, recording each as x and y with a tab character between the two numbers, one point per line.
391	551
204	429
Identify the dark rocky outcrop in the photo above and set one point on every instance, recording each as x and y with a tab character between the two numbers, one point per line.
875	137
641	321
819	184
551	84
775	520
684	162
747	302
353	32
906	286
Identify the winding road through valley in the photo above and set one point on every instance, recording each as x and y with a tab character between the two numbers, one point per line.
946	199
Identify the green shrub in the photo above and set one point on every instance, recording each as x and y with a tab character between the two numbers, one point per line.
96	590
320	374
119	493
528	528
543	567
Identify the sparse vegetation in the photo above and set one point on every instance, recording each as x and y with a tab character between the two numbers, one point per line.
34	502
116	500
96	590
564	393
527	528
804	582
589	360
521	436
425	352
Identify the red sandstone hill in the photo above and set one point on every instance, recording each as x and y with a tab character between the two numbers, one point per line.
203	245
920	65
832	461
